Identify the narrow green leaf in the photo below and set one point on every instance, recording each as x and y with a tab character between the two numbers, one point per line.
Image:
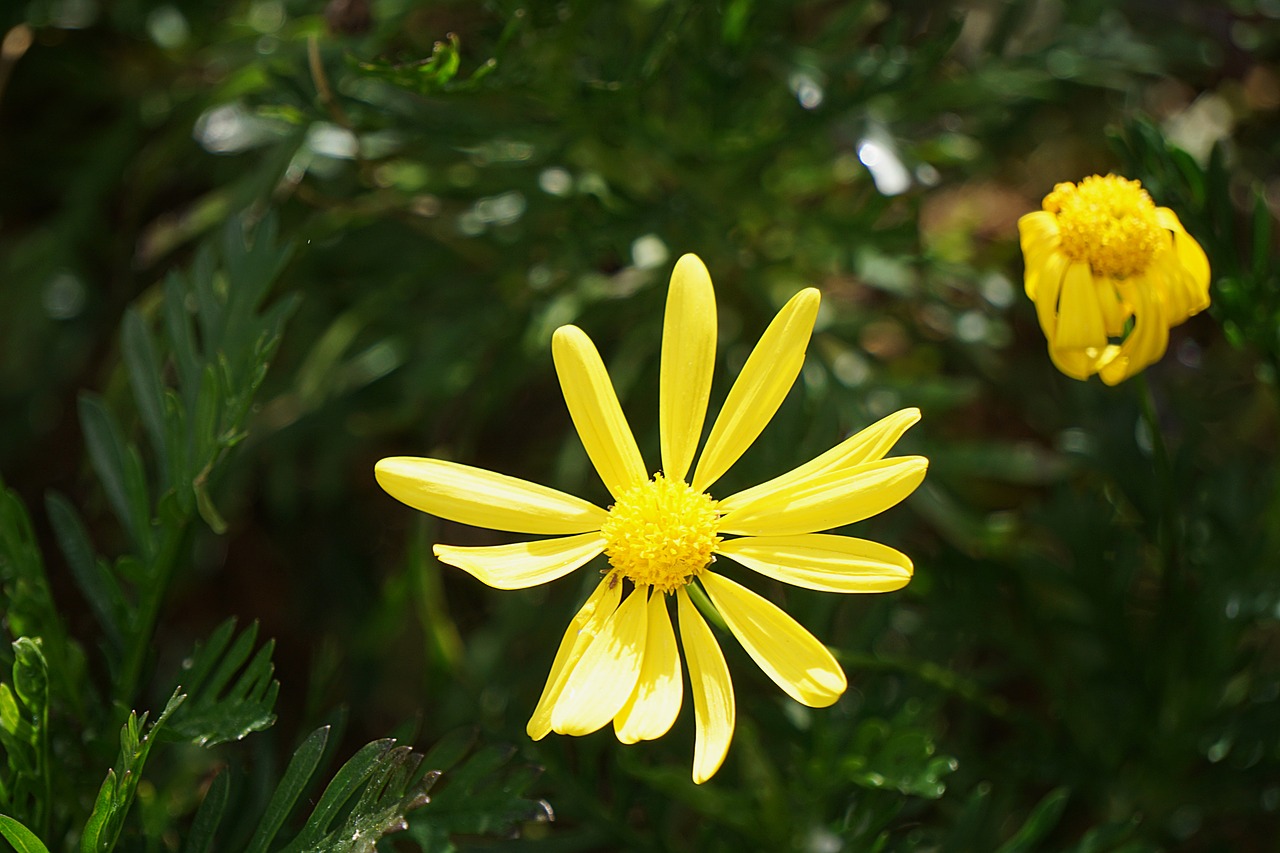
349	778
92	575
22	839
177	325
291	786
215	713
148	389
1043	818
112	461
1261	235
201	837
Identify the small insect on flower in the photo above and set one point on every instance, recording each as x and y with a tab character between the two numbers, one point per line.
1110	273
619	660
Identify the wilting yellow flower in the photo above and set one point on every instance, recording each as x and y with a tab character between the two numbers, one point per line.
1110	274
618	660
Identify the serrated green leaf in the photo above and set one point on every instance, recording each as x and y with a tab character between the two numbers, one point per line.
295	779
204	826
22	839
116	795
215	713
389	785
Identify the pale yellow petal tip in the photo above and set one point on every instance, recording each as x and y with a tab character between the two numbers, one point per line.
690	263
566	334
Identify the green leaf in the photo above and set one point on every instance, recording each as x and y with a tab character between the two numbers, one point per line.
301	766
24	734
102	830
1043	818
201	837
483	794
95	579
219	709
386	777
118	467
143	365
22	839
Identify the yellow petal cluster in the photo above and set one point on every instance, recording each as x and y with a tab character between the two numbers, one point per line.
1110	273
620	659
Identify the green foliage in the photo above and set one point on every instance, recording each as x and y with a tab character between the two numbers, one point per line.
102	830
219	709
393	205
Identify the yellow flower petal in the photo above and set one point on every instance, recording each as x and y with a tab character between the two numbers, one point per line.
688	360
482	498
1044	284
768	375
787	653
586	623
713	704
523	564
602	680
828	500
868	445
1039	237
655	702
1080	323
1190	256
1114	312
1148	340
822	561
594	407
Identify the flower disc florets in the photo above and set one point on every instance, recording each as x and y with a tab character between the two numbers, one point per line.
661	533
1108	222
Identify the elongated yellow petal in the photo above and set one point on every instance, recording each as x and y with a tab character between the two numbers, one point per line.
868	445
482	498
768	375
787	653
1039	237
603	679
828	500
688	360
600	605
523	564
1044	285
713	704
655	702
822	561
1080	322
594	407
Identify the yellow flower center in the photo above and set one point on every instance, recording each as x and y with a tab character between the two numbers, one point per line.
661	533
1110	223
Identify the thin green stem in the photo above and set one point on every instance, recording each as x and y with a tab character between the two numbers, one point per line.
160	574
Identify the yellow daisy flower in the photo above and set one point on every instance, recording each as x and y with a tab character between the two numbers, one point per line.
618	660
1110	274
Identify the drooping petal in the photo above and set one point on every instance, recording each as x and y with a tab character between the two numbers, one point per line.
596	414
523	564
787	653
768	375
655	702
600	605
688	361
822	561
482	498
1190	256
602	680
713	704
1148	340
828	500
1080	323
868	445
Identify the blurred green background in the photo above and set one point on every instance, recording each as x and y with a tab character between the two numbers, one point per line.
1087	657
